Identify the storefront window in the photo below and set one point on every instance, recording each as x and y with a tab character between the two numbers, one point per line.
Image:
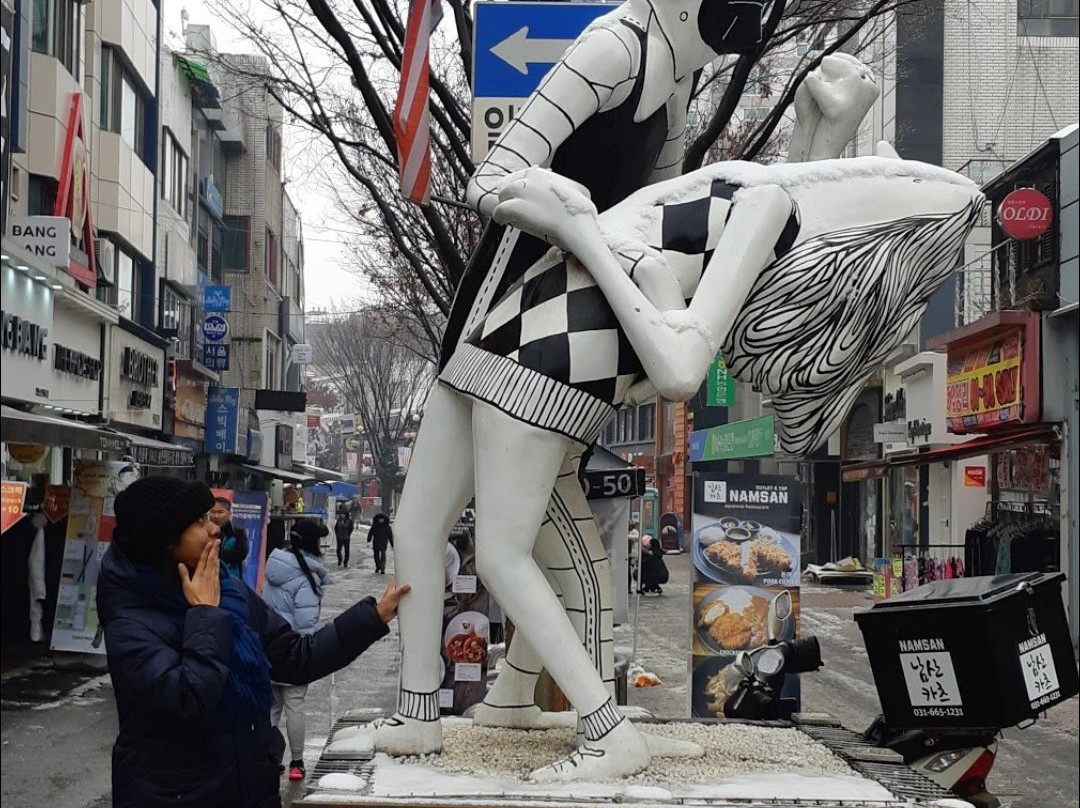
904	528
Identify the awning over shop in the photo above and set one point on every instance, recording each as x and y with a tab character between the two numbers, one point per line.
150	452
277	474
338	489
29	427
984	444
319	473
203	90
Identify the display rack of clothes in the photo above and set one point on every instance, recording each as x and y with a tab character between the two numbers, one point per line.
1013	537
923	563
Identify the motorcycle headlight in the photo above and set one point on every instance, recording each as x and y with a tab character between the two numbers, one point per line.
770	662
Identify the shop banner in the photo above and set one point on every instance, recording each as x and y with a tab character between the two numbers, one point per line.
745	547
12	497
57	502
975	476
223	420
752	438
89	532
251	512
721	385
983	386
463	658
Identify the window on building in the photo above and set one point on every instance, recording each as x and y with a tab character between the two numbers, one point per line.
127	279
270	257
646	422
174	174
123	102
177	314
235	243
41	195
1048	17
217	240
624	432
272	362
202	245
273	144
55	30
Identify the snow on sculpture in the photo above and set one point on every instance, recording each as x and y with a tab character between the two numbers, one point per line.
808	275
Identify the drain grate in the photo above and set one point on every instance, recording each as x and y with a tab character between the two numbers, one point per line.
883	765
355	764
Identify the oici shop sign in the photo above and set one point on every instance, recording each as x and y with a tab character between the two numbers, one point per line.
24	337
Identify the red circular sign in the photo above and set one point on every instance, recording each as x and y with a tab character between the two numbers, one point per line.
1025	214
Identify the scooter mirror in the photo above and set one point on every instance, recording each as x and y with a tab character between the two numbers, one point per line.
780	609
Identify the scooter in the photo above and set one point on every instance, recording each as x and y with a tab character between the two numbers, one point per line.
956	759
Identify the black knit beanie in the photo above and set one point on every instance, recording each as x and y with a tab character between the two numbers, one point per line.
309	532
153	512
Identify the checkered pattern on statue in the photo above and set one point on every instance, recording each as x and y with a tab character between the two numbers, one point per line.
690	229
556	321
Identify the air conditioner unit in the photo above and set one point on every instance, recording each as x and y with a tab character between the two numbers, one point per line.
105	256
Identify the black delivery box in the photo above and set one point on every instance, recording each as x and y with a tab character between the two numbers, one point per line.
990	651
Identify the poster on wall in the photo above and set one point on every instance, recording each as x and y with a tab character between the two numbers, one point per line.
14	495
745	543
466	631
250	512
95	484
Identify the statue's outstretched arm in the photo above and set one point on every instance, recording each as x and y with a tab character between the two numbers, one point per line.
596	73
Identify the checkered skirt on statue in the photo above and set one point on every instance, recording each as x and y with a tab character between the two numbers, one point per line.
551	352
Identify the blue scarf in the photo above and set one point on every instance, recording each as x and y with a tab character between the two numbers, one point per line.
247	692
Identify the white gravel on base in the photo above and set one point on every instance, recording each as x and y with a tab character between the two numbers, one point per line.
731	750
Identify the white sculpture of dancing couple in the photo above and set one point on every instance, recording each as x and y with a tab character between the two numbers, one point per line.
808	275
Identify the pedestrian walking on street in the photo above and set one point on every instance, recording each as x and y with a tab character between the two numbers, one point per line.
343	530
380	535
294	588
192	652
234	540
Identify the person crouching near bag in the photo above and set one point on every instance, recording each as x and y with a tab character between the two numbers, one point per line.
192	652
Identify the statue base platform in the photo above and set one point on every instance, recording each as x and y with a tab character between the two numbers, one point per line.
810	762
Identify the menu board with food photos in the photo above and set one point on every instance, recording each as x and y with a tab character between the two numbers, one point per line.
745	542
466	627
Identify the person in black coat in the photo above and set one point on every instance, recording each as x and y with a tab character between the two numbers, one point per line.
192	652
380	535
654	571
343	530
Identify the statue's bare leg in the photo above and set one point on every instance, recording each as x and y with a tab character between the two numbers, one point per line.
511	500
437	489
571	554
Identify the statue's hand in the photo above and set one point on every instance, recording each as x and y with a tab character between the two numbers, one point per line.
545	204
832	101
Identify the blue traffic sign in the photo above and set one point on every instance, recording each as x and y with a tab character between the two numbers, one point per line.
217	298
215	328
515	44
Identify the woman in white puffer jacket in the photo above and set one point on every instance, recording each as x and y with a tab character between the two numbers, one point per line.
294	587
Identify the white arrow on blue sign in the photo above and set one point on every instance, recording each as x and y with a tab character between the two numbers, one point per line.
514	46
215	328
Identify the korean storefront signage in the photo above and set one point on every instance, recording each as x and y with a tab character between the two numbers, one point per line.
223	420
983	387
11	504
189	402
73	194
721	385
136	383
217	298
215	356
47	238
752	438
51	355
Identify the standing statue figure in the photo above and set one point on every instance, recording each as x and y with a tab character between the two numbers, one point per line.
809	276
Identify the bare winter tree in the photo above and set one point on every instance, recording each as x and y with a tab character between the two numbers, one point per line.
363	357
335	67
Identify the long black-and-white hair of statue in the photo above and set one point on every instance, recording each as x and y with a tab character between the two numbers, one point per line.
823	317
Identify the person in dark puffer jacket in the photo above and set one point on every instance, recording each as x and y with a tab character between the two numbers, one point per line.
192	652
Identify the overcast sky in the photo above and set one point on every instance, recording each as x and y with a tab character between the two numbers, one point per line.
327	277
